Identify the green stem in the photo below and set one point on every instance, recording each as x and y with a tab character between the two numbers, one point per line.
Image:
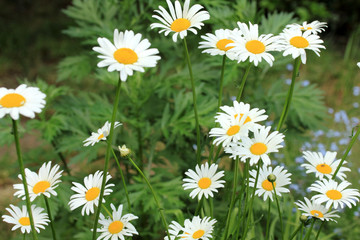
301	231
123	179
290	93
243	80
140	145
268	221
307	237
246	185
24	236
62	158
199	206
154	195
107	211
221	81
23	176
107	157
197	125
296	231
50	217
318	233
279	211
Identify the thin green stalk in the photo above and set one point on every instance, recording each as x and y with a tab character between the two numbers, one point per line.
106	210
307	236
140	144
107	157
154	195
301	231
268	221
296	231
197	125
199	206
22	171
279	211
243	80
318	233
246	182
62	158
123	179
24	236
221	81
50	217
211	203
290	93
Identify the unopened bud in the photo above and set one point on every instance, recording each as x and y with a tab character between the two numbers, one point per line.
303	218
124	151
271	178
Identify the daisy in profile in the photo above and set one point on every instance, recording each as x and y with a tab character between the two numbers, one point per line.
258	147
101	134
175	229
314	27
295	42
249	45
180	20
23	100
88	195
334	194
198	228
20	218
204	181
264	186
128	53
216	44
313	209
43	182
323	165
117	226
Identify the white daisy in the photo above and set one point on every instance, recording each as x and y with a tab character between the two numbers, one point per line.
358	64
180	20
334	193
101	134
43	182
314	209
23	100
249	45
88	195
204	181
295	42
198	228
258	147
20	218
324	165
128	53
174	230
216	44
314	27
118	226
264	186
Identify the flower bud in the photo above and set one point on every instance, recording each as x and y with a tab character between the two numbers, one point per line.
271	178
124	151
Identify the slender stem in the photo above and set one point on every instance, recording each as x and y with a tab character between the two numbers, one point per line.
199	206
243	186
50	217
221	81
62	158
268	221
197	125
290	93
318	233
107	157
296	231
24	236
310	230
123	179
23	176
243	80
140	145
246	185
106	210
154	195
302	232
279	211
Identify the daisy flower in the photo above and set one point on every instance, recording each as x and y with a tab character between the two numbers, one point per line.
198	228
358	64
117	226
180	20
101	134
23	100
264	186
216	44
258	147
314	27
249	45
295	42
313	209
128	53
174	230
323	165
334	193
204	181
43	182
20	218
88	195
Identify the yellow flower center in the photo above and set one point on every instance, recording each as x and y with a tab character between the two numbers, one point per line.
255	46
248	119
115	227
41	187
324	168
198	234
299	42
258	148
25	221
233	130
317	213
12	100
334	194
92	193
125	56
308	28
180	24
221	44
204	183
267	185
100	136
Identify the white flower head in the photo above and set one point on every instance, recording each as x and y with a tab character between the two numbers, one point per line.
217	44
175	229
101	134
180	20
358	64
198	228
128	53
313	209
314	27
23	100
124	151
